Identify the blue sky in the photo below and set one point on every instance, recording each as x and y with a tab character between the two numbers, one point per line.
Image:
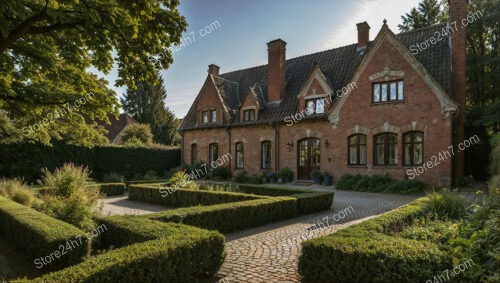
240	30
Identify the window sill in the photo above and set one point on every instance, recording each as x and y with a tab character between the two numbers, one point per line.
357	166
386	103
386	166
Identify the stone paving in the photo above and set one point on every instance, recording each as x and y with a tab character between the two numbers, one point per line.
270	253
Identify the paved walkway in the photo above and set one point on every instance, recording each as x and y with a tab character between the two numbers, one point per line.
270	253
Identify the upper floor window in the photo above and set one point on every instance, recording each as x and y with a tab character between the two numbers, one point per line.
249	115
386	149
315	105
213	152
239	155
357	149
204	117
266	155
413	148
213	116
388	91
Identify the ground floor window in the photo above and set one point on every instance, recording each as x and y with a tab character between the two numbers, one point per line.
239	155
413	148
213	152
386	149
193	153
266	155
357	149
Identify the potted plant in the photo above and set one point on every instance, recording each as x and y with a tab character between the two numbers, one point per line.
263	178
284	175
316	174
271	176
327	179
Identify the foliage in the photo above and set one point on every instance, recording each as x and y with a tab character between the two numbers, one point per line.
367	253
316	173
153	250
466	181
70	196
284	172
220	173
112	177
495	155
225	187
429	229
50	48
313	202
254	179
240	177
25	160
230	217
40	235
111	189
477	238
16	191
150	175
137	135
428	13
270	191
179	197
146	104
445	205
377	183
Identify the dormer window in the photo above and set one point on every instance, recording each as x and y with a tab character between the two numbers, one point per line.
388	91
213	116
315	106
204	117
249	115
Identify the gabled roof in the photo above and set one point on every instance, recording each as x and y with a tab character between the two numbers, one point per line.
115	127
337	65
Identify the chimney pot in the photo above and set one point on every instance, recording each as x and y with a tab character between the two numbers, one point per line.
213	69
363	34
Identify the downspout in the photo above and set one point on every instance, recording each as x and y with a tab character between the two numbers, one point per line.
277	145
228	129
182	148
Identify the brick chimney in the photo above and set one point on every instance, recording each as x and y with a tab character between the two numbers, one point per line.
458	12
363	34
213	69
276	51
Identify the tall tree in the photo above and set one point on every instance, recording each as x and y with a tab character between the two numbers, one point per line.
428	13
146	104
49	47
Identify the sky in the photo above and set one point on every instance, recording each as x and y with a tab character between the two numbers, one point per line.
234	34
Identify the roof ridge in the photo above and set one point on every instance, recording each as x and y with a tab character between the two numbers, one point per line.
335	48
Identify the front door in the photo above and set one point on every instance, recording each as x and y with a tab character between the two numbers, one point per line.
308	159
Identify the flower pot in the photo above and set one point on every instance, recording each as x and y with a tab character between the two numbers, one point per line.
317	180
328	180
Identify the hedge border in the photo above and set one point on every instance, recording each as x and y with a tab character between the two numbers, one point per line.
40	235
365	253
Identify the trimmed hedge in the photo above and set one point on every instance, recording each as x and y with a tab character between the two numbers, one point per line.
111	189
231	217
270	191
176	253
378	183
184	197
313	202
40	235
25	160
307	201
370	252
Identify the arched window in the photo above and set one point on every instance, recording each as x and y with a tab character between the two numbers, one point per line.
357	149
239	155
266	155
413	148
386	149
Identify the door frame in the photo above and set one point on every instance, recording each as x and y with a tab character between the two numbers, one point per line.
304	172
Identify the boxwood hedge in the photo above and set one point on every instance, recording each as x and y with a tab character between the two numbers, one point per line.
184	197
111	189
368	252
40	235
230	217
169	253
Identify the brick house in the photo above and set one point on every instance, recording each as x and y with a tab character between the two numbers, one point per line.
374	107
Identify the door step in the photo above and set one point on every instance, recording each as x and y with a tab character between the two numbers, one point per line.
303	182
